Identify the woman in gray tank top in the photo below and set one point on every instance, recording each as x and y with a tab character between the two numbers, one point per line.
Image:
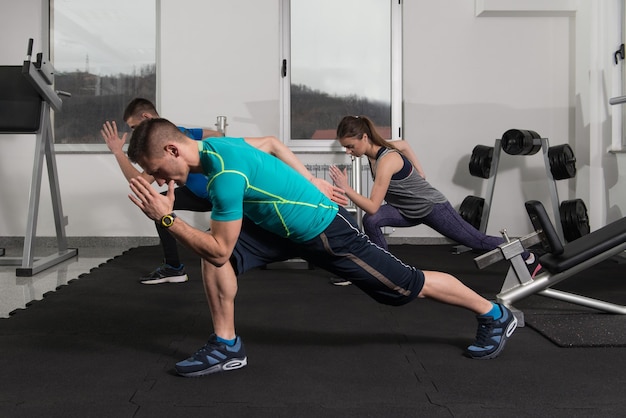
401	196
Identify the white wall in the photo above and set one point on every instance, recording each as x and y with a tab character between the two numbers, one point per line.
467	79
221	58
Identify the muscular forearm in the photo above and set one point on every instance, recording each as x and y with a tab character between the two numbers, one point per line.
215	247
202	243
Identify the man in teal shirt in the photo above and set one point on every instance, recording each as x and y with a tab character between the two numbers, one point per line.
288	217
288	205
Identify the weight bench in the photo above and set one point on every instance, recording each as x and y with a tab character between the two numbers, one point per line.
560	261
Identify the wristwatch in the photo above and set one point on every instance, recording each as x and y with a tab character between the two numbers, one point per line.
168	220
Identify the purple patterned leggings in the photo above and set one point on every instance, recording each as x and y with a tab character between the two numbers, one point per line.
443	219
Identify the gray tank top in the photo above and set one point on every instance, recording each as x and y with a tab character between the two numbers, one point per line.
411	194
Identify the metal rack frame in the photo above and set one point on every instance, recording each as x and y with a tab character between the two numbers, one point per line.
491	184
40	75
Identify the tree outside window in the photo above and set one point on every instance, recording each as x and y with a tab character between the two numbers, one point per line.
104	55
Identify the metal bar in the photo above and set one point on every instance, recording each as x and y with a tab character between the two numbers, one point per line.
43	148
554	194
503	251
35	189
357	186
545	280
584	301
46	262
60	221
221	125
41	86
513	279
617	100
491	185
41	80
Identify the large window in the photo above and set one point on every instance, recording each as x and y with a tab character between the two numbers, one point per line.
339	57
104	54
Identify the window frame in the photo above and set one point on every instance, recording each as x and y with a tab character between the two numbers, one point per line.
331	145
48	42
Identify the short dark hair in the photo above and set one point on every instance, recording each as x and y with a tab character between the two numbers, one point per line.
148	133
137	106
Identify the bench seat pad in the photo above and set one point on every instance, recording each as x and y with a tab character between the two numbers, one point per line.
586	247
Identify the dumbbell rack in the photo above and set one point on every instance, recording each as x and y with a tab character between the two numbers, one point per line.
491	184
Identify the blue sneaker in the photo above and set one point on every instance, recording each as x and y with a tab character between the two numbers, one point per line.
492	335
214	357
166	274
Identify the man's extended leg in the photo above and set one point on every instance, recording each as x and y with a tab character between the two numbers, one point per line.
346	252
445	288
496	323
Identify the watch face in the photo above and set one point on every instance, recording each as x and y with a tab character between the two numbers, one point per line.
167	220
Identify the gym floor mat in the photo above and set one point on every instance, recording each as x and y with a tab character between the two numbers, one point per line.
571	325
105	345
581	330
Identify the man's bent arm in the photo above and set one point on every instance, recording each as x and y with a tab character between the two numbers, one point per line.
272	146
128	169
215	246
115	143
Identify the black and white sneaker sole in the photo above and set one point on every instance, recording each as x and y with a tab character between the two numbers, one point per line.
170	279
232	364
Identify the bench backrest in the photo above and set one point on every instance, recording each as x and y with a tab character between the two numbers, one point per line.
20	104
542	224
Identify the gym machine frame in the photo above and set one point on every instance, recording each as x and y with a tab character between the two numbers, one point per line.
40	75
491	185
560	262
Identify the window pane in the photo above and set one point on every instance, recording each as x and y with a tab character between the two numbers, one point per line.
340	64
104	55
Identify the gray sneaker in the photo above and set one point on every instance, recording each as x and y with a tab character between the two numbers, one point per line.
166	274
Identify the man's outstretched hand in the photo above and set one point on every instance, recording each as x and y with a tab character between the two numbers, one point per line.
334	193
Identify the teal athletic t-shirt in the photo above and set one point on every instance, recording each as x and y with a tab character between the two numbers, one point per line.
245	180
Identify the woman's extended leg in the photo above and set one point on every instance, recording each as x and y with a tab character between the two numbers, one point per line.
447	221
